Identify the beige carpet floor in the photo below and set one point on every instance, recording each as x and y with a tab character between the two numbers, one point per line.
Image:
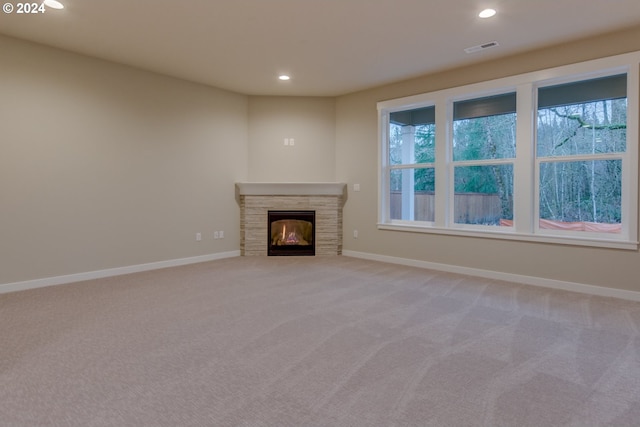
312	341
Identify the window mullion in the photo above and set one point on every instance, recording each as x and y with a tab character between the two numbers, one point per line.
630	160
524	183
444	189
481	162
582	157
385	170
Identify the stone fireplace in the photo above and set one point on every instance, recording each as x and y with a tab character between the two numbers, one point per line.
256	200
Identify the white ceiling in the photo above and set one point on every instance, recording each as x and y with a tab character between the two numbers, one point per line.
329	47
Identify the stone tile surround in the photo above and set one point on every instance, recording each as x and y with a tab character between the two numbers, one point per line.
256	199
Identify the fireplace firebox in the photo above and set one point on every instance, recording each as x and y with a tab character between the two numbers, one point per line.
291	233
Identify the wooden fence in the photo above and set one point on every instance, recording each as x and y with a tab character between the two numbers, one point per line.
469	208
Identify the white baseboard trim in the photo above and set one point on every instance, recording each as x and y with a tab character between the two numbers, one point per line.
79	277
497	275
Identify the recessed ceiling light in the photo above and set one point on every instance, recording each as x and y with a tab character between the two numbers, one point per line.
53	4
284	77
487	13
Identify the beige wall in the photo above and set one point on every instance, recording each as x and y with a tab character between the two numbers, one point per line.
357	162
105	166
310	121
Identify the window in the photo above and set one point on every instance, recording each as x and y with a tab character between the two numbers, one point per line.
411	160
581	141
484	147
547	156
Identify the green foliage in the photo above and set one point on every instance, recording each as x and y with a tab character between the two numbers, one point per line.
570	190
490	137
582	190
484	138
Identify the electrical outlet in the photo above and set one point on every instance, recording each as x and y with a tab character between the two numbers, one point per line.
355	234
198	237
216	235
291	141
356	187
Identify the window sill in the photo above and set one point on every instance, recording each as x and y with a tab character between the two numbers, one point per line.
511	235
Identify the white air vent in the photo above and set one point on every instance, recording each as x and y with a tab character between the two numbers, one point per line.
480	47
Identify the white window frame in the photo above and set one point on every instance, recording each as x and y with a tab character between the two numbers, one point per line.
526	164
408	166
483	162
